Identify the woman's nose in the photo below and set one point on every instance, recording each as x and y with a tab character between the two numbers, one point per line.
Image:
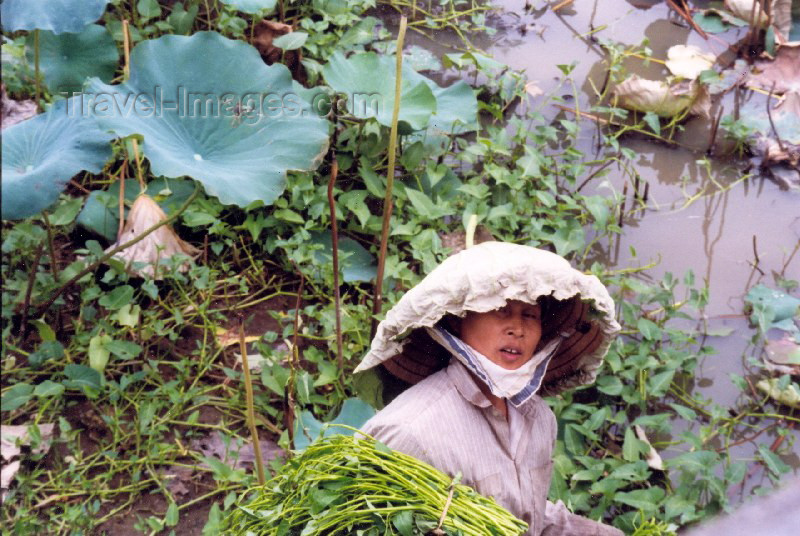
515	325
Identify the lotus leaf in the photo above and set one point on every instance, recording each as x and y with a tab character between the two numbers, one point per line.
354	413
68	59
101	211
772	308
355	262
368	80
208	107
251	6
58	16
41	154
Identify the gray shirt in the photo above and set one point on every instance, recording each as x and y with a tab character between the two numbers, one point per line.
447	422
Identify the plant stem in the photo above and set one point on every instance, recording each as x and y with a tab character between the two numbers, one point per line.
29	290
126	39
335	246
36	65
51	246
387	202
251	413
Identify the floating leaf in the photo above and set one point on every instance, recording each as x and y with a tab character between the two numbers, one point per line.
783	356
770	307
789	396
41	154
661	98
421	59
217	114
58	16
251	6
67	60
688	61
354	413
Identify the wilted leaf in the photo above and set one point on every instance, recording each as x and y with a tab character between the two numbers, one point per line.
783	356
156	247
748	10
227	337
688	61
653	458
661	98
12	437
781	74
213	446
789	396
254	361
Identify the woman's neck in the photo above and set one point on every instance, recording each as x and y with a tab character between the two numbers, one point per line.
498	403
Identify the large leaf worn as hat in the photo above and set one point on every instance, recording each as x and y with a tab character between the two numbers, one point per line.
483	278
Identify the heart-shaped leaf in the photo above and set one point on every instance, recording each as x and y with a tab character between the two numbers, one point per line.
208	107
58	16
68	59
41	154
354	413
355	262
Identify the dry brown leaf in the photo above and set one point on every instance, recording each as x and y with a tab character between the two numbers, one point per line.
688	61
661	98
781	74
264	34
457	240
782	19
533	89
12	111
213	445
161	244
227	337
254	361
7	475
13	436
783	356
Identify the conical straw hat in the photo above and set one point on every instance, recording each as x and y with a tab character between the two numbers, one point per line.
483	278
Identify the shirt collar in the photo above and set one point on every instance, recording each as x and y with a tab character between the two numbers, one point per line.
469	390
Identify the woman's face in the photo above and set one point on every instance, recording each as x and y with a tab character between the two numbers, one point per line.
507	336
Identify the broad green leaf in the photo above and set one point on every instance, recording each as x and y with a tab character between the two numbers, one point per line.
46	351
17	396
208	107
67	60
173	514
368	81
182	19
58	16
118	297
290	41
770	306
251	6
81	377
421	59
148	9
41	154
123	349
631	447
610	385
649	329
48	388
355	262
98	353
66	211
354	413
658	384
46	333
360	34
404	522
653	121
772	461
642	499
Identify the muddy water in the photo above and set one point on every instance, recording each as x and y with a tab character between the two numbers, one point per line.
720	232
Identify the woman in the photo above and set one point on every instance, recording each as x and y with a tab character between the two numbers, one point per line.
517	320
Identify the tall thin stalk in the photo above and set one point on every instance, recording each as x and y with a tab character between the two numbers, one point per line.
251	412
387	202
335	246
36	65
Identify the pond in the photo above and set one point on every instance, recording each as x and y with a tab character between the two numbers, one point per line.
731	237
